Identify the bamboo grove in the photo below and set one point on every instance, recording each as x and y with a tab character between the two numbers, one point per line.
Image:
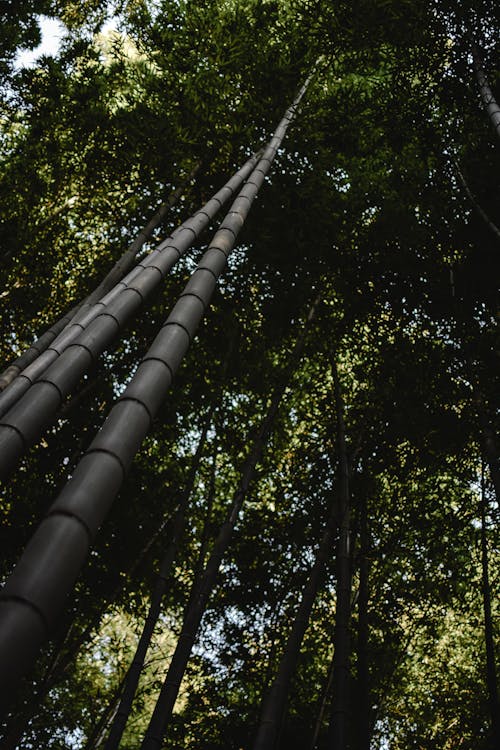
248	400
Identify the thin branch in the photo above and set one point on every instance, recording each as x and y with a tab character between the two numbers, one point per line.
480	211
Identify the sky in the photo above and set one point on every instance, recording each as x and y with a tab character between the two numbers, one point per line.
52	32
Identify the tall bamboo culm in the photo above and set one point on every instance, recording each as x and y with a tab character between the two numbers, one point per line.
160	589
339	718
489	100
162	713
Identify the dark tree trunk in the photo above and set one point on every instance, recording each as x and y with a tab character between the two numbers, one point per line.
339	721
479	210
322	707
160	589
490	451
491	674
206	534
363	708
96	737
275	701
164	707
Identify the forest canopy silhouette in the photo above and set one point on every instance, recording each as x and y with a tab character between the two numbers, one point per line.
249	376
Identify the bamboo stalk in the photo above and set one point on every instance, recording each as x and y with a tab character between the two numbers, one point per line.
338	731
489	101
131	682
162	713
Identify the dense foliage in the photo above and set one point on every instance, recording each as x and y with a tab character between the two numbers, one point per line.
384	201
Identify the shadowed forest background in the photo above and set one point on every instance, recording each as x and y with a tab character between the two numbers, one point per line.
351	348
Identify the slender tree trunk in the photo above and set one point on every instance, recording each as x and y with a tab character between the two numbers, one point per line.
115	275
96	737
205	534
488	438
164	707
322	707
339	721
479	210
490	450
489	102
272	627
275	701
363	713
160	589
491	674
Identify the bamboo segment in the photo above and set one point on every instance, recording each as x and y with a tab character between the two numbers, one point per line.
27	406
489	101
